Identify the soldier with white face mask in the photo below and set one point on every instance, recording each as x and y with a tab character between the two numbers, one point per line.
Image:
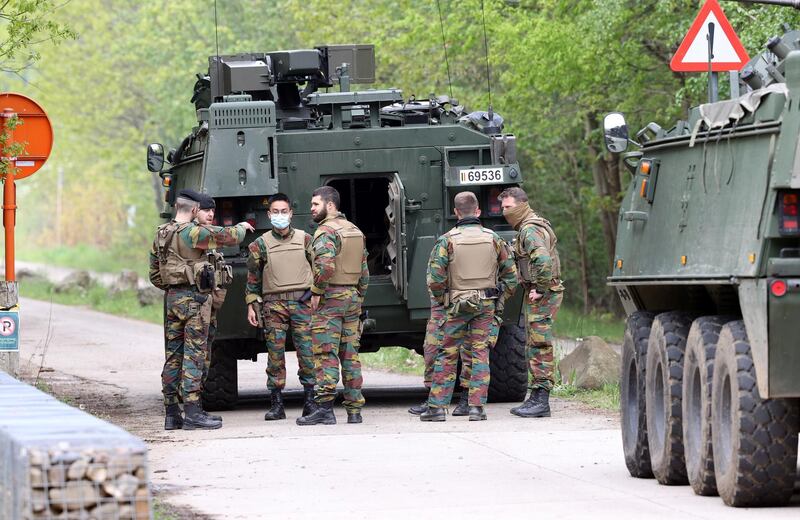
277	295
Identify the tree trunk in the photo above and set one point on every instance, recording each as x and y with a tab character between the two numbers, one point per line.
607	185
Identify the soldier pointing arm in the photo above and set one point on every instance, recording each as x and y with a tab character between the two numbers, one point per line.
178	264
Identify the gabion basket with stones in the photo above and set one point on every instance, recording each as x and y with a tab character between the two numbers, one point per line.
59	462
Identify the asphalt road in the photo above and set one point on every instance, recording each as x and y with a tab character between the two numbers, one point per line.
391	466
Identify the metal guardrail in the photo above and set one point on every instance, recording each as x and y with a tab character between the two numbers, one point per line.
59	462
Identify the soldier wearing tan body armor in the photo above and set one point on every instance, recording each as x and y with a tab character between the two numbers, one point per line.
540	272
340	283
181	265
471	273
279	280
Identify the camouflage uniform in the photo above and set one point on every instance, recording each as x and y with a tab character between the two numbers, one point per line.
335	325
535	243
466	326
434	338
281	314
188	314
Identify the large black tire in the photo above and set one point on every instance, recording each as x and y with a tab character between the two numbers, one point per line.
755	440
221	388
664	387
698	370
507	365
632	394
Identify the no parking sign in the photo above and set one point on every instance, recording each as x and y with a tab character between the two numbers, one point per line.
9	330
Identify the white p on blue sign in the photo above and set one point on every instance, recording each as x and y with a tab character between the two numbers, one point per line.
9	331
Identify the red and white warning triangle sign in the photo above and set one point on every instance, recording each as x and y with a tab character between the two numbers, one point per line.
692	55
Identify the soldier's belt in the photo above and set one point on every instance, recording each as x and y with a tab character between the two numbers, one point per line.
483	294
289	295
183	286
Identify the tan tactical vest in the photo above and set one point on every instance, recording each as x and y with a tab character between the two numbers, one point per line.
287	267
523	258
176	260
348	261
473	265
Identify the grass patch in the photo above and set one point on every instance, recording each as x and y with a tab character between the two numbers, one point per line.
394	359
85	257
570	323
606	398
96	297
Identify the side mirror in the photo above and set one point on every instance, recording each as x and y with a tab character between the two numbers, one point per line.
615	130
155	157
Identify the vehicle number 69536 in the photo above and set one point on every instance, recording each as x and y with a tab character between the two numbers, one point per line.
480	176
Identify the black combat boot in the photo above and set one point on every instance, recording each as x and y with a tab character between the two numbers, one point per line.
462	408
322	414
419	409
528	403
195	419
276	411
172	418
434	415
354	417
537	406
476	413
308	399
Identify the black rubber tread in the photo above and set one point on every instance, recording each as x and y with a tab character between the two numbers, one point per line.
755	440
698	370
220	391
665	352
507	365
632	394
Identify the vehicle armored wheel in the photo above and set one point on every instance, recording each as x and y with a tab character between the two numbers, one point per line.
698	369
663	386
632	394
220	391
755	440
508	367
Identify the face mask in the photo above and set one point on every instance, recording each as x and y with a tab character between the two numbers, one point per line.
279	221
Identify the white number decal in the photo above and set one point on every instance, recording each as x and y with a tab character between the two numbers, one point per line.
482	176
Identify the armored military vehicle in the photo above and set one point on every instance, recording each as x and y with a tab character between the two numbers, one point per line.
707	266
268	122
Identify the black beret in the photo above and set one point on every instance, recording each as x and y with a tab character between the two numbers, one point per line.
206	201
190	194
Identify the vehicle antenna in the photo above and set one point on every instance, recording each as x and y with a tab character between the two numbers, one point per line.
444	46
488	70
216	38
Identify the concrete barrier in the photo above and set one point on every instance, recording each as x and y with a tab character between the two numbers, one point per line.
59	462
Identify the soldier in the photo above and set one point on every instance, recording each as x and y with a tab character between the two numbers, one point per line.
470	269
340	284
178	264
540	271
278	281
205	217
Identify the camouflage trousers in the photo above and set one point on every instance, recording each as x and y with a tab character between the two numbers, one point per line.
539	316
217	299
434	338
335	341
463	331
285	315
186	321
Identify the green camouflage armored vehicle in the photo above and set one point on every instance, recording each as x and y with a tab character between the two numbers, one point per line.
707	266
267	123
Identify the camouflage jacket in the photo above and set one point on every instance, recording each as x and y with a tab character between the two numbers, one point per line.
198	237
257	260
534	241
326	245
440	260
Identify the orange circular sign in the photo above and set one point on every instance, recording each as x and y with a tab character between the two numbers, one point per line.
34	132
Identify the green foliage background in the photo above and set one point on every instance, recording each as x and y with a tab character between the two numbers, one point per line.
557	67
